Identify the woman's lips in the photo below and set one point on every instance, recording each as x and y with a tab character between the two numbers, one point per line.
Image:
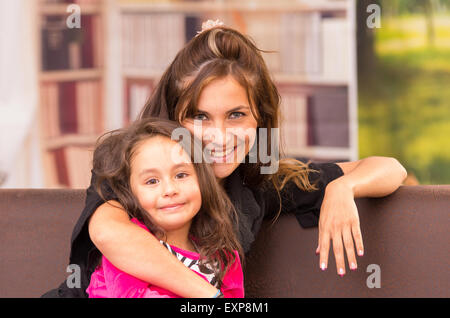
222	156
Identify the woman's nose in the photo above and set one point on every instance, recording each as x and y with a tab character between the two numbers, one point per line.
218	136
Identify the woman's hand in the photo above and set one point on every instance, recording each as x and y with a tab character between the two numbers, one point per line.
339	222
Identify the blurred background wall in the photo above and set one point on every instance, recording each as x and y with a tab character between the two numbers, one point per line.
403	80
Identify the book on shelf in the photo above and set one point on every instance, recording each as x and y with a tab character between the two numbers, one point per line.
305	43
151	41
66	48
136	95
335	48
69	166
300	38
265	30
293	120
71	108
328	118
314	117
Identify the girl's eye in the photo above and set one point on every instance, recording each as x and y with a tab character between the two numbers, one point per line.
237	114
199	117
181	175
152	181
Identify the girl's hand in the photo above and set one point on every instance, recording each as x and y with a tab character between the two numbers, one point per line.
339	222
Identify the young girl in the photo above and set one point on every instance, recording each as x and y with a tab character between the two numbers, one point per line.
177	201
221	80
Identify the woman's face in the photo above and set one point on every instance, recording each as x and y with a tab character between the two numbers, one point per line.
225	123
164	181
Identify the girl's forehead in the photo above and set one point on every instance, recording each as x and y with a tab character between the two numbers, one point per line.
160	150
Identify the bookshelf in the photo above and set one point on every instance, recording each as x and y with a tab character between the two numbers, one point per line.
71	89
317	83
135	40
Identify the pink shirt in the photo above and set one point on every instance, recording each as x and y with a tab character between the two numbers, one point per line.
108	281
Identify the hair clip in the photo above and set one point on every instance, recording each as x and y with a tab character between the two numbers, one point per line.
209	24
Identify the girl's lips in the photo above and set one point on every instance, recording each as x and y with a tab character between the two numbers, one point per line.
171	207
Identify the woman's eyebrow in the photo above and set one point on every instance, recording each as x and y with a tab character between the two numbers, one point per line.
240	107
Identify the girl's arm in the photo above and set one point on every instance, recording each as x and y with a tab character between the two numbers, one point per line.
138	253
339	220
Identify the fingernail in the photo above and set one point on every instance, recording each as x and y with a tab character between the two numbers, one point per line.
360	253
323	267
353	266
341	272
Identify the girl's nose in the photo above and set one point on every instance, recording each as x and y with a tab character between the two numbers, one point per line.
170	188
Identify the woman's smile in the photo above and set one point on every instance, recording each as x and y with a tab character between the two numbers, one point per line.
222	156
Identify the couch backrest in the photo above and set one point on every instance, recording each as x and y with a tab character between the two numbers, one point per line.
36	226
405	237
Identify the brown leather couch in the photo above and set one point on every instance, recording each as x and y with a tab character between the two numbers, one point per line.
406	234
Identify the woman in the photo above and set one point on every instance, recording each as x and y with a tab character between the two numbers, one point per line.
220	80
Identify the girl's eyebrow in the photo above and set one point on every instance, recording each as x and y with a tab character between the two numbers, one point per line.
174	167
229	111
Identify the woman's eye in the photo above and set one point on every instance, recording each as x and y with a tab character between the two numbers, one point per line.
152	181
200	117
181	175
237	115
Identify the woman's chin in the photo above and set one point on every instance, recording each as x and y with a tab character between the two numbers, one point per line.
223	170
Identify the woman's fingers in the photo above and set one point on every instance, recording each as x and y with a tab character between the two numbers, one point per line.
339	253
318	245
349	248
344	241
324	249
356	231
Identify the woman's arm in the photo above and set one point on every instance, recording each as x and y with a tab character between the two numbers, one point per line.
339	220
138	253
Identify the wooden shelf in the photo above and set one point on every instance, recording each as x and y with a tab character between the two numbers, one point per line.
61	9
248	6
139	73
70	140
308	80
320	152
70	75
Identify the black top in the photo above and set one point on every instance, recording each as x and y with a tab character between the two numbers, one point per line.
252	204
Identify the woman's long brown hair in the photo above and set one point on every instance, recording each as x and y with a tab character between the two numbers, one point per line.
212	227
214	54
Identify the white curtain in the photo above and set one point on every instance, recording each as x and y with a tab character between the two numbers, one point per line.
20	159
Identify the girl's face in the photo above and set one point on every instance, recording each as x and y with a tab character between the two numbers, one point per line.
164	181
228	127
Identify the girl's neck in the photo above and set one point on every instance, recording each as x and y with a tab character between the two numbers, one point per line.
180	239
